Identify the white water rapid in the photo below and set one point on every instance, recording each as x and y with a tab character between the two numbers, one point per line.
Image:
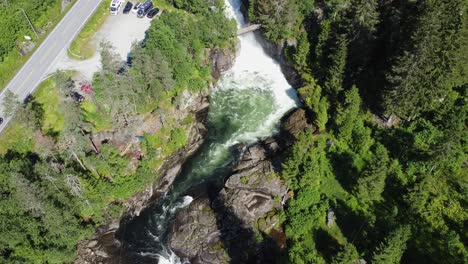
246	106
254	69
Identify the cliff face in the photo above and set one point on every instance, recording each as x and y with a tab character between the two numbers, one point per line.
104	246
240	223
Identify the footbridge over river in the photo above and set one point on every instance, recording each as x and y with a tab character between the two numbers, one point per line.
248	28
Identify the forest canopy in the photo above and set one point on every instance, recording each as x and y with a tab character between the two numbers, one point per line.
68	166
384	83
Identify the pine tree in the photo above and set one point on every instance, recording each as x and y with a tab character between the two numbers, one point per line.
418	77
315	101
371	182
391	250
301	54
348	255
348	115
335	72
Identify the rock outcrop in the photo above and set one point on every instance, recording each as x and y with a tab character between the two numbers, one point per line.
239	224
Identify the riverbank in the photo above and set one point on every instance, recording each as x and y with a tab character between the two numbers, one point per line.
247	104
116	133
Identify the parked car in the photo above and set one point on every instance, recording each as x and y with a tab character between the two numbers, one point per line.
144	8
1	120
128	8
77	97
135	7
115	6
153	12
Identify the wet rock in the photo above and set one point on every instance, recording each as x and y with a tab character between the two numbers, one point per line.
92	243
196	236
223	60
296	122
292	125
223	228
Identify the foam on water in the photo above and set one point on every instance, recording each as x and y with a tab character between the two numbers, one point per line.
253	68
247	104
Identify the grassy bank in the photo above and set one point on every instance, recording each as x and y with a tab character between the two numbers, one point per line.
19	136
13	61
81	47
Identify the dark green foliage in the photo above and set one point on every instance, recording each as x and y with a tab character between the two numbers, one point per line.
335	72
399	185
280	19
371	182
349	254
417	81
39	212
392	249
52	199
304	172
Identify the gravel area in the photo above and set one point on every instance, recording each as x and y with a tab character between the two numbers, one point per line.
121	31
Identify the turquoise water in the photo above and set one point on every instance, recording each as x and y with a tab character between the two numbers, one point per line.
246	106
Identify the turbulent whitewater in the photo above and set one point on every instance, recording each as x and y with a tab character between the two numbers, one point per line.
246	106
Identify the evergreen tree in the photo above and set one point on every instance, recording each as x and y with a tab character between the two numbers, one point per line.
335	72
391	250
349	254
418	77
315	101
349	115
371	182
301	55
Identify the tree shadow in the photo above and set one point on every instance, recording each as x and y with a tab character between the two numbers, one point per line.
398	142
355	227
326	245
343	168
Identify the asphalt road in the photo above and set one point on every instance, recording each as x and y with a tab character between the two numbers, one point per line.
36	68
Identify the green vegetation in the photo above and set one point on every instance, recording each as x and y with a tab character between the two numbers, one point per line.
68	167
385	85
81	47
48	97
44	14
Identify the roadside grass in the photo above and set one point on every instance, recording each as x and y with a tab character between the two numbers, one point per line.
82	47
17	138
91	114
13	62
47	95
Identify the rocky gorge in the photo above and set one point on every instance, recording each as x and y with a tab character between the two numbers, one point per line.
237	222
240	223
104	246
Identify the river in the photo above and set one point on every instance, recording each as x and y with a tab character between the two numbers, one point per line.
246	106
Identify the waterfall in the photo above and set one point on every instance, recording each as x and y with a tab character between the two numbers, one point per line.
246	106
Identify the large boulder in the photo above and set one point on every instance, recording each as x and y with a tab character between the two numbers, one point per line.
195	234
226	227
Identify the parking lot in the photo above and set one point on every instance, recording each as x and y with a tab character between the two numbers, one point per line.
121	30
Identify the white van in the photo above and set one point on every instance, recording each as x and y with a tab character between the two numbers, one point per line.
115	6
